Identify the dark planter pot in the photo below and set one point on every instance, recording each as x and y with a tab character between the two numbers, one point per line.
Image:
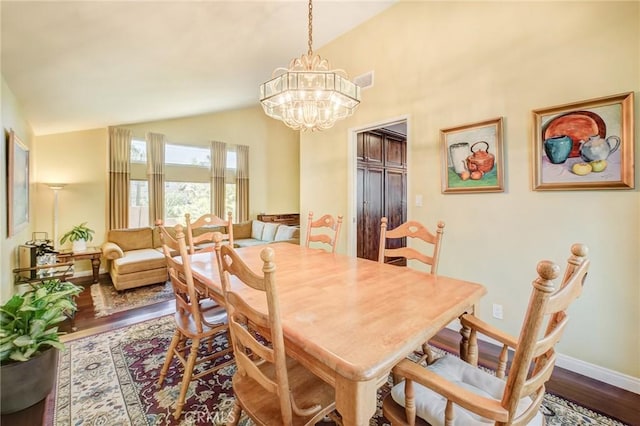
25	383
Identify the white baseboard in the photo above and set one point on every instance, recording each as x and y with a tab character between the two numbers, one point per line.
596	372
614	378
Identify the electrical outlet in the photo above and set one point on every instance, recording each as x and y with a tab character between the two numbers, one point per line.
497	311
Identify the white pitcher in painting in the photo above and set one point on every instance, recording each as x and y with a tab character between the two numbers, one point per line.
459	153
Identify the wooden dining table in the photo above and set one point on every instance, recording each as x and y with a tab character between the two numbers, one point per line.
349	320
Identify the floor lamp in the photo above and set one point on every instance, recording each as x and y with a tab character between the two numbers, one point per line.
55	187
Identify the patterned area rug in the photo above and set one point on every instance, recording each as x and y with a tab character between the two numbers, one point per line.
107	300
110	379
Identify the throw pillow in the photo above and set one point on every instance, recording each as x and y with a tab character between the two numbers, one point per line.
269	231
285	233
256	229
242	230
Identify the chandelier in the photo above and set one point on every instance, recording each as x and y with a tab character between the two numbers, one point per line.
309	95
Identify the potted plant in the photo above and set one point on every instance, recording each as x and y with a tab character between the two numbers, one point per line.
29	341
78	235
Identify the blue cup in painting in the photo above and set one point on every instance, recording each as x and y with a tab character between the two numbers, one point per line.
558	148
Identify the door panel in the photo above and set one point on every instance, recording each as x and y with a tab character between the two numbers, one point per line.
381	188
374	210
395	208
360	209
374	148
395	152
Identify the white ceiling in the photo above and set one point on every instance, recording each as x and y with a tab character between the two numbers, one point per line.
76	65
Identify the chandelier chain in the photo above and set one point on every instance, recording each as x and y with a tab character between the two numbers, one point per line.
310	28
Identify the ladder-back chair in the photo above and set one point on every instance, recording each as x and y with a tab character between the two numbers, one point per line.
452	391
200	232
411	229
198	320
324	230
270	387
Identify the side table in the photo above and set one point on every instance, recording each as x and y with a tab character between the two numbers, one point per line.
91	253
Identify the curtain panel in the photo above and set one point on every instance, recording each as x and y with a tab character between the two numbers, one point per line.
218	174
242	183
119	176
155	176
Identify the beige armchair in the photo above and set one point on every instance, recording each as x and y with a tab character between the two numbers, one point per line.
134	259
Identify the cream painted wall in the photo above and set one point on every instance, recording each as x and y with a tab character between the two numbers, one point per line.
79	160
12	118
443	64
273	151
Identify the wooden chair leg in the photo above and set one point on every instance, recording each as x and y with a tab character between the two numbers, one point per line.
186	377
167	361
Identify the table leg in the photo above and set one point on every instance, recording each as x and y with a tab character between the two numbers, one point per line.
95	264
356	401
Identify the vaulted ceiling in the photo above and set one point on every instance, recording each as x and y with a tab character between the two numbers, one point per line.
77	65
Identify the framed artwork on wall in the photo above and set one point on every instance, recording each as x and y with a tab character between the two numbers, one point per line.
17	184
472	157
584	145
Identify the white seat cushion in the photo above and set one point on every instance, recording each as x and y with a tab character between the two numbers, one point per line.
430	405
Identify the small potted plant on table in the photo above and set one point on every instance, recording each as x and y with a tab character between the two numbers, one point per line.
78	235
29	342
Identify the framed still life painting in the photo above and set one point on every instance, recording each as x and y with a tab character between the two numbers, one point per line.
584	145
472	157
17	184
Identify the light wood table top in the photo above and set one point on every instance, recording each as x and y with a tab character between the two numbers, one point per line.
350	320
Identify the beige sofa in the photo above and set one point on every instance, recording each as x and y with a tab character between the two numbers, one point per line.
134	257
255	232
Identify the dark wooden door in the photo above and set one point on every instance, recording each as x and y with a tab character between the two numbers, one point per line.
370	210
381	187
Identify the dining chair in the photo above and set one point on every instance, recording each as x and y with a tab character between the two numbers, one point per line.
411	229
455	391
200	232
324	230
167	238
198	320
269	386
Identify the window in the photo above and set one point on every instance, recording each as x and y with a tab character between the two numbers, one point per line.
187	183
138	203
187	155
138	151
185	197
232	159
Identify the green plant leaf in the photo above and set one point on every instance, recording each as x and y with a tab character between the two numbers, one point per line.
28	321
23	341
18	356
79	232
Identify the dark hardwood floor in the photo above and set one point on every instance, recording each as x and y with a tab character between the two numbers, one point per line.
613	402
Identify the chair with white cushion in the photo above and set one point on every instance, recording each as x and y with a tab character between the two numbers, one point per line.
452	391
